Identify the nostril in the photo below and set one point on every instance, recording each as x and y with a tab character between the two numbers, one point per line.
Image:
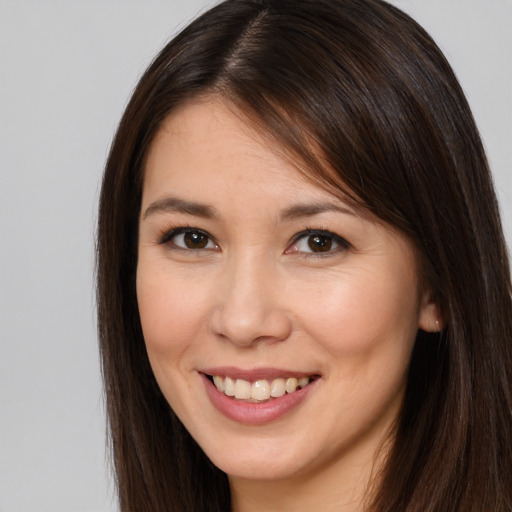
247	326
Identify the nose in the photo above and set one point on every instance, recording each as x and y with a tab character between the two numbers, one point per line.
249	304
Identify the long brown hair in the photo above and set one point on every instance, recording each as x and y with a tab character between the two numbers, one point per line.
357	87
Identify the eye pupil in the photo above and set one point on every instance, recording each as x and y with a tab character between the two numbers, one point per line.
320	243
195	240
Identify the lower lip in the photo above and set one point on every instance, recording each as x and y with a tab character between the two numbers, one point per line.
254	413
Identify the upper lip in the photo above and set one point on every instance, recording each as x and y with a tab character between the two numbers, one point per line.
254	374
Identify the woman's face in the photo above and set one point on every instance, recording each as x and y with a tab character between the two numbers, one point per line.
290	299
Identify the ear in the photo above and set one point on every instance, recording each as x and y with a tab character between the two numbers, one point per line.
430	317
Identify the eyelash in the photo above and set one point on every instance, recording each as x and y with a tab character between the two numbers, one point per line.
342	244
166	237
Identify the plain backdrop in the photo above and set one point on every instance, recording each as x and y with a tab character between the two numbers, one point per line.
66	71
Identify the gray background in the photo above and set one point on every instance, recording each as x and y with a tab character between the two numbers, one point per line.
66	72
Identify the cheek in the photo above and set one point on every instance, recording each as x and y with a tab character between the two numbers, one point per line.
171	312
354	314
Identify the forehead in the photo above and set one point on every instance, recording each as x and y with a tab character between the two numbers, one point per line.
208	141
212	128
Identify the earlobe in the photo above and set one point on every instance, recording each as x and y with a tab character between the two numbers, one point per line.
430	318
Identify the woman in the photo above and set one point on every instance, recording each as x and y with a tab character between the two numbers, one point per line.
303	288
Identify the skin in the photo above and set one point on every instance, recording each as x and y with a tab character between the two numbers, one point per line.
255	296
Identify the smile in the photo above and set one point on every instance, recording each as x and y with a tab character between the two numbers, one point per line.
259	390
257	396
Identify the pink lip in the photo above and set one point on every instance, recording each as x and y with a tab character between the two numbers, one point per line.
250	413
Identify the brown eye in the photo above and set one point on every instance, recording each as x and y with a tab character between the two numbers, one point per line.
195	240
188	239
320	243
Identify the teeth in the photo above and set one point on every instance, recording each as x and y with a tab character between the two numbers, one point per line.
229	386
277	388
303	382
219	383
291	385
260	390
243	389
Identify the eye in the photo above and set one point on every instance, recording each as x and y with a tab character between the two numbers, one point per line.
318	242
189	238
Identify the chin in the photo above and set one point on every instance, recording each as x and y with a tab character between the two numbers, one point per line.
254	466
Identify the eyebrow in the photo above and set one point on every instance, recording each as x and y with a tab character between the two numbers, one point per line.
309	209
296	211
173	204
